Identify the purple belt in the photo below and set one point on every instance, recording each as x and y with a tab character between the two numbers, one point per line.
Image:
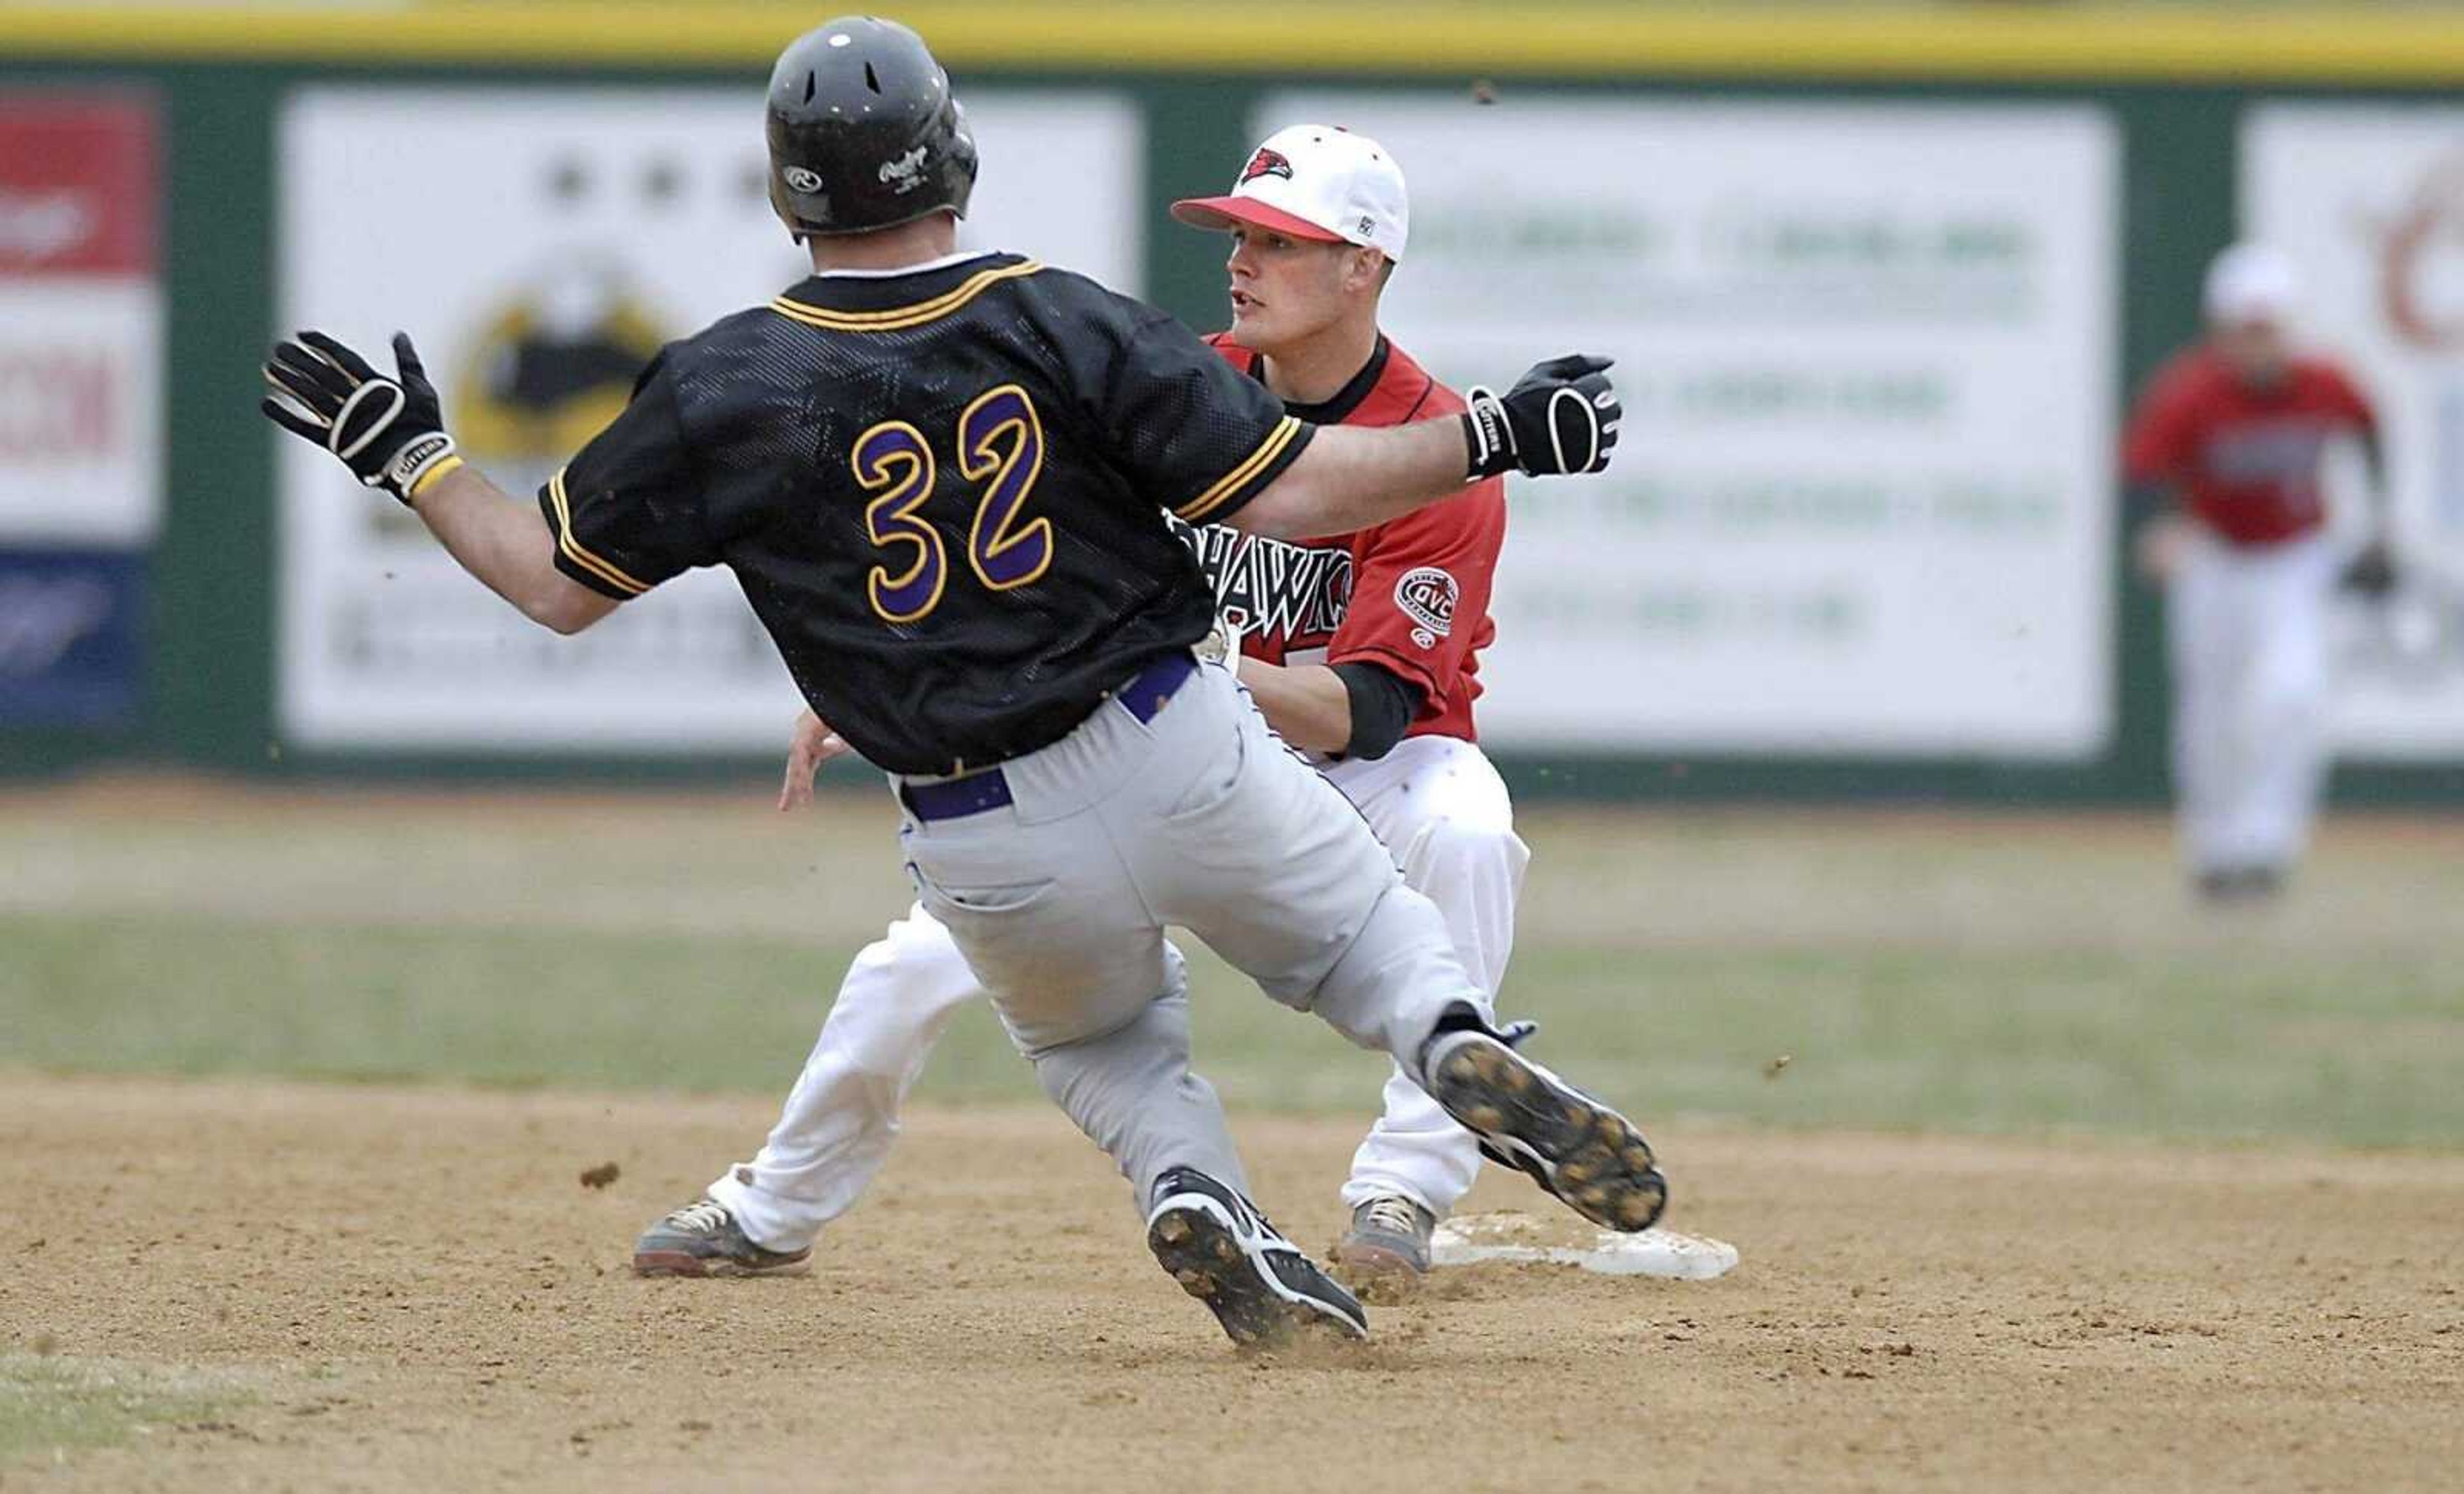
1147	694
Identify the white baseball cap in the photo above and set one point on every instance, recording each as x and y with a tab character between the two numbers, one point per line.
2252	282
1317	182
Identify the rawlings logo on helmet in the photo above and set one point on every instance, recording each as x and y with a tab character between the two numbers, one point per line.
800	180
1265	163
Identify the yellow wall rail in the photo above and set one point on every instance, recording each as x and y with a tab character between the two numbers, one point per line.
2397	47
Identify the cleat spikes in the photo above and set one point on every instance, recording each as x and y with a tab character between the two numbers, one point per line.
1222	1251
1527	1118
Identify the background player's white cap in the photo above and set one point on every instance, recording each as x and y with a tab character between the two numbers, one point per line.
2253	282
1314	182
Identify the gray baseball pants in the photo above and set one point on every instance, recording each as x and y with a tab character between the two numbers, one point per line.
1199	817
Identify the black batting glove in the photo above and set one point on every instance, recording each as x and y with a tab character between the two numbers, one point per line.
1560	418
389	431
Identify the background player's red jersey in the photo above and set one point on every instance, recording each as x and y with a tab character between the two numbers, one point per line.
2246	460
1410	595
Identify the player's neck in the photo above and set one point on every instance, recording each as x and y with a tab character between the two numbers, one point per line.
918	243
1315	371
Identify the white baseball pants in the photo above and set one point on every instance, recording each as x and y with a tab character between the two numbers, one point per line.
2248	633
1436	802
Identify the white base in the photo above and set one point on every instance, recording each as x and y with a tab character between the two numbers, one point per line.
1523	1239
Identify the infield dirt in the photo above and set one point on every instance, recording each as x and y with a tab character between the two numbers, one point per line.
412	1289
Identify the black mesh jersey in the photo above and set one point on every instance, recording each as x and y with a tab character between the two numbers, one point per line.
944	493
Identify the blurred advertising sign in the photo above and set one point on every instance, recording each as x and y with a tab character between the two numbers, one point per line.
2369	200
1863	500
71	648
80	320
586	227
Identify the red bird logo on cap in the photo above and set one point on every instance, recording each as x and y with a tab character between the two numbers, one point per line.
1265	163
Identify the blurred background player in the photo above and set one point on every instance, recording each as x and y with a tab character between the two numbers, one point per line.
2232	433
1361	649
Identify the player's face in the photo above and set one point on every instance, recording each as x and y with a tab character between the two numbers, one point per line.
2258	351
1286	291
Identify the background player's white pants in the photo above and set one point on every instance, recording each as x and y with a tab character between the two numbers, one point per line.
1200	819
2248	632
1436	803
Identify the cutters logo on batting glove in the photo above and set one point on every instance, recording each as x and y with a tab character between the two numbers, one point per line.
1559	419
389	432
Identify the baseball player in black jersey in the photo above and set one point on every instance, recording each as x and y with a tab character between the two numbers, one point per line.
941	480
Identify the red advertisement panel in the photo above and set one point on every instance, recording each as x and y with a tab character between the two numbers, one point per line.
77	179
81	318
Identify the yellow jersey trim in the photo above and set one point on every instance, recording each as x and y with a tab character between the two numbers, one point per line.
1215	497
574	550
898	318
2093	42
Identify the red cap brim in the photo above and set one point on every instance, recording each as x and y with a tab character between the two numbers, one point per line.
1223	212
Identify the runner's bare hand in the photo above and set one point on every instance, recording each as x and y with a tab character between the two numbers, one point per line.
813	744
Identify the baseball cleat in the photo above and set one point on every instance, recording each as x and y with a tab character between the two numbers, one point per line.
1387	1247
703	1239
1225	1254
1526	1117
1386	1253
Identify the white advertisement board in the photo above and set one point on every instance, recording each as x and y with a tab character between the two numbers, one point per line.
2369	200
541	246
1863	502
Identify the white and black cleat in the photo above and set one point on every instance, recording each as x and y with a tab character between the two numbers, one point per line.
1526	1117
1259	1286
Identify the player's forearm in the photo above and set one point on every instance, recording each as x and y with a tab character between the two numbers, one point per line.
1353	478
501	540
1307	705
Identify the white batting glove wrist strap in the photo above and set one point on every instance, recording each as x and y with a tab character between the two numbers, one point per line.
1487	432
417	458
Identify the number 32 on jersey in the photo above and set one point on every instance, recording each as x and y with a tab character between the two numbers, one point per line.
1000	449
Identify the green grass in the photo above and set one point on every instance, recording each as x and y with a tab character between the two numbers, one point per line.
2347	1044
60	1403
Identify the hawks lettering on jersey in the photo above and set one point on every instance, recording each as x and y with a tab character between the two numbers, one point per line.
1287	598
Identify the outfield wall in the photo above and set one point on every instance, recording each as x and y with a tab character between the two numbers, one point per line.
1880	282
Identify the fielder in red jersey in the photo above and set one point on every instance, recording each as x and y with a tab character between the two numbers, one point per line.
2244	453
1408	598
1365	649
2235	433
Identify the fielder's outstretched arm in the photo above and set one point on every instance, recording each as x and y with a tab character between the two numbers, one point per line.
1560	418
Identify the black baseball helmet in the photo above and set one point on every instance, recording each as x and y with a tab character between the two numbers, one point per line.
863	131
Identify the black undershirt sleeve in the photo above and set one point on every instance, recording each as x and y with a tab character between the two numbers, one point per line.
1383	705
